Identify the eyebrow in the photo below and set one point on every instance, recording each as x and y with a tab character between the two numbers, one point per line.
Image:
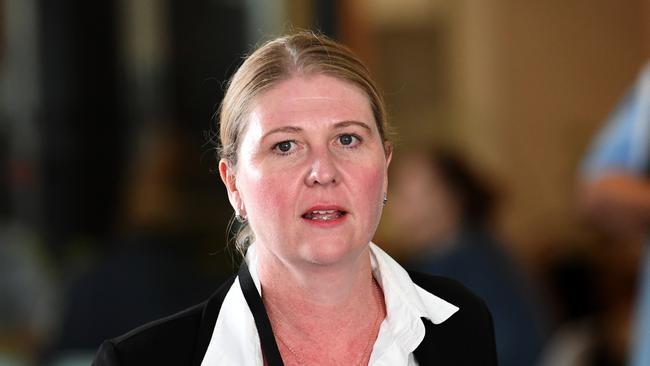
285	129
295	130
344	124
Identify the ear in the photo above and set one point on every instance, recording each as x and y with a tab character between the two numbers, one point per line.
229	180
388	150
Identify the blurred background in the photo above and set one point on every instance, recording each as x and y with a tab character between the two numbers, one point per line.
109	198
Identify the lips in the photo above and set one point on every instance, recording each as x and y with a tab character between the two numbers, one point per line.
324	214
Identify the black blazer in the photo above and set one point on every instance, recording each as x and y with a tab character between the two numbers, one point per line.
466	338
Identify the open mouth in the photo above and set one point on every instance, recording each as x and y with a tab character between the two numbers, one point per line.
324	215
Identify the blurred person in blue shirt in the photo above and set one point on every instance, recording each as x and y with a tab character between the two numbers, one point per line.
616	191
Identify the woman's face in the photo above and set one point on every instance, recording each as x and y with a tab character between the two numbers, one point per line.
311	171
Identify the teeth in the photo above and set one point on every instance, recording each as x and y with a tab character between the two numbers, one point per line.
324	215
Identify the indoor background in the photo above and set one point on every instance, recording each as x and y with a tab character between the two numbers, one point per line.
109	198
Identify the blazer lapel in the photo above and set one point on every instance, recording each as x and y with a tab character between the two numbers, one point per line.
209	317
426	352
211	313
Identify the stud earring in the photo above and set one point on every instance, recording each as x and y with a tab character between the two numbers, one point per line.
240	219
385	200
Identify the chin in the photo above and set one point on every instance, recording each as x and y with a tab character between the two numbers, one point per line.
331	252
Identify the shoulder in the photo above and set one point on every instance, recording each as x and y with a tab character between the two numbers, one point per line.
173	336
469	329
175	339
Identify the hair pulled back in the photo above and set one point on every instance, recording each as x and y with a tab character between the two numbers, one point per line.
302	53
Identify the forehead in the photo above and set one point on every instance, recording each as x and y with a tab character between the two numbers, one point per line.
308	100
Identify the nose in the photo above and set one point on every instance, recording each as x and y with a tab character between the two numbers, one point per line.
323	170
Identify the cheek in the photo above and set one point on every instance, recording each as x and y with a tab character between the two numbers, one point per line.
370	185
268	194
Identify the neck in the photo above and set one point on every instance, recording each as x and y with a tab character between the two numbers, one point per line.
314	287
320	310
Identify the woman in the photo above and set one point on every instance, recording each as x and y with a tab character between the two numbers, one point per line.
304	157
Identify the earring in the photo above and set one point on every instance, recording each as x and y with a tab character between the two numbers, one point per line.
240	219
385	200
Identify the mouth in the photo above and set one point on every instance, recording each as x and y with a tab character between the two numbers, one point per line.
324	215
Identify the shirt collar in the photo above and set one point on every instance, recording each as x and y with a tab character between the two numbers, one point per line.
400	291
406	305
235	340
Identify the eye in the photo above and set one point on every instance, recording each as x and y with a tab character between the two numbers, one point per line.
284	147
348	140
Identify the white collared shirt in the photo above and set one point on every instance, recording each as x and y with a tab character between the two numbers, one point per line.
235	340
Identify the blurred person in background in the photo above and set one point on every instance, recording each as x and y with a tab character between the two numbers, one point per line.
442	208
616	192
153	258
594	295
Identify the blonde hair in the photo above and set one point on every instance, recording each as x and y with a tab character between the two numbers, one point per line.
278	60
